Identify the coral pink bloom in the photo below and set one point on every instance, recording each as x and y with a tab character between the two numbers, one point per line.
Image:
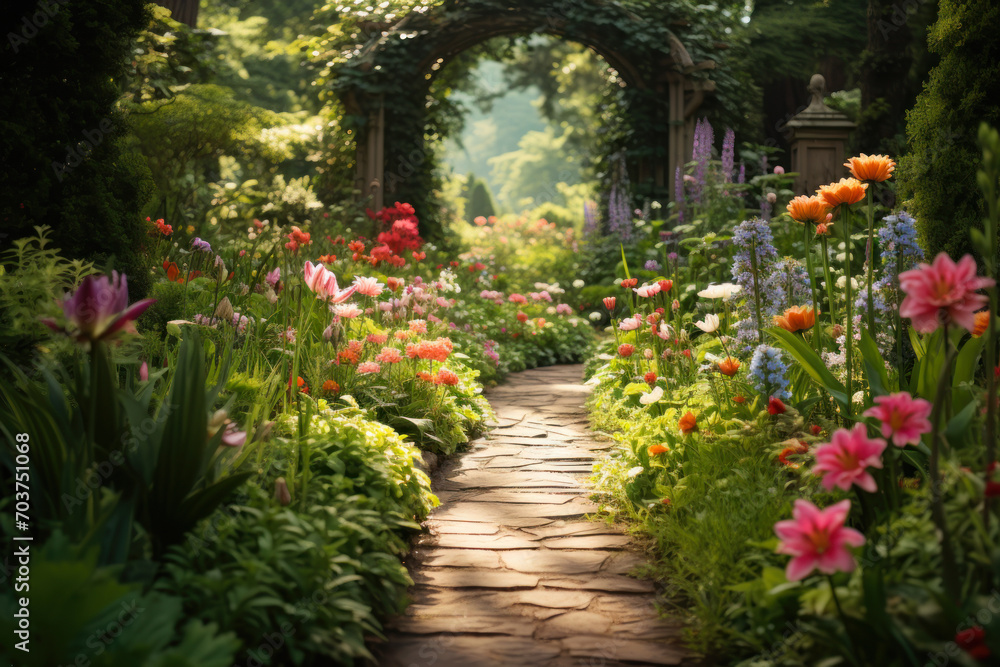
389	355
817	539
368	367
846	458
368	286
378	338
348	311
609	302
904	418
943	292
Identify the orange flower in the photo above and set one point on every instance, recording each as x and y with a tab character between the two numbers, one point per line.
729	366
808	209
658	449
739	398
331	387
845	191
823	228
982	322
872	168
798	447
796	318
688	423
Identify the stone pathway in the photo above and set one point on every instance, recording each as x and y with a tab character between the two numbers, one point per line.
511	573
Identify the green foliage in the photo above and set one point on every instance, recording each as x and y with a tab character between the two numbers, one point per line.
934	177
341	543
61	130
184	137
80	611
480	199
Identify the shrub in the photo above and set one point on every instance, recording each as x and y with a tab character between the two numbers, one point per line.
935	176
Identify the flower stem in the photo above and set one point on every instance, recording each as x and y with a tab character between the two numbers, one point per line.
829	280
806	237
949	572
849	335
871	259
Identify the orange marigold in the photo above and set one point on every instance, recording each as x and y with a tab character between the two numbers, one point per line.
845	191
658	449
796	318
808	209
982	323
688	423
876	168
729	366
331	387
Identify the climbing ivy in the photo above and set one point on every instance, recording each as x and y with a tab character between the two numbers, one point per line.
362	56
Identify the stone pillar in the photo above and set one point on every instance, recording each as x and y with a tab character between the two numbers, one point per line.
818	137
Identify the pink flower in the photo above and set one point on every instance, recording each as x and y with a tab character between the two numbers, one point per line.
144	372
847	456
817	539
323	282
943	292
348	311
904	418
418	326
517	298
368	286
647	291
630	324
378	338
368	367
99	309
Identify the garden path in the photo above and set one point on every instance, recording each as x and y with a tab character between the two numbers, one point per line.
511	572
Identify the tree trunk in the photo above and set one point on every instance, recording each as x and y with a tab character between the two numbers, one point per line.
185	11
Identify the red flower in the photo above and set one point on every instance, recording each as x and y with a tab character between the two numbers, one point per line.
775	406
992	489
815	429
650	378
665	285
629	283
973	642
522	317
419	256
626	349
739	398
609	302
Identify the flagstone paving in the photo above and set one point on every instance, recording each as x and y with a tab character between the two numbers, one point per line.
510	572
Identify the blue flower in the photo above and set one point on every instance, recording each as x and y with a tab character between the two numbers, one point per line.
768	372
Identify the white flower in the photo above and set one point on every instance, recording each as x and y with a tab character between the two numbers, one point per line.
723	291
595	316
709	324
578	283
842	283
634	472
666	332
652	397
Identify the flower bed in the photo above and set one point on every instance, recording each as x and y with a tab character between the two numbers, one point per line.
243	453
811	448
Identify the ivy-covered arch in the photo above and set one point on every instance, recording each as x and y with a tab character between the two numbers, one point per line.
385	85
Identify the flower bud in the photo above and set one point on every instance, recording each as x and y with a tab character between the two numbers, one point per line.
281	493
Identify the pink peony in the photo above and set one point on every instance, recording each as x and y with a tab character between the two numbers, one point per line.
817	539
347	311
846	458
943	292
904	418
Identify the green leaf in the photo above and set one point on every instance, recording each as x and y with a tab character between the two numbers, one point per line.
965	371
624	261
810	362
878	378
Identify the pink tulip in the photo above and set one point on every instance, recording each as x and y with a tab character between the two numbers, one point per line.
647	291
943	292
98	309
630	324
846	458
817	539
323	282
904	418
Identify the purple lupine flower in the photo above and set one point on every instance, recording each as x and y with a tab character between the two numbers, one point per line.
728	155
590	221
198	244
755	235
701	154
619	213
743	173
651	265
98	309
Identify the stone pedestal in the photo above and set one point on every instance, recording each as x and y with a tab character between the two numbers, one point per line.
818	137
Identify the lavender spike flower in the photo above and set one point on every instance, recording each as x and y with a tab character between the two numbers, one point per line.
728	155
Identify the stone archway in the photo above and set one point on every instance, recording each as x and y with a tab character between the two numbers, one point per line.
661	69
